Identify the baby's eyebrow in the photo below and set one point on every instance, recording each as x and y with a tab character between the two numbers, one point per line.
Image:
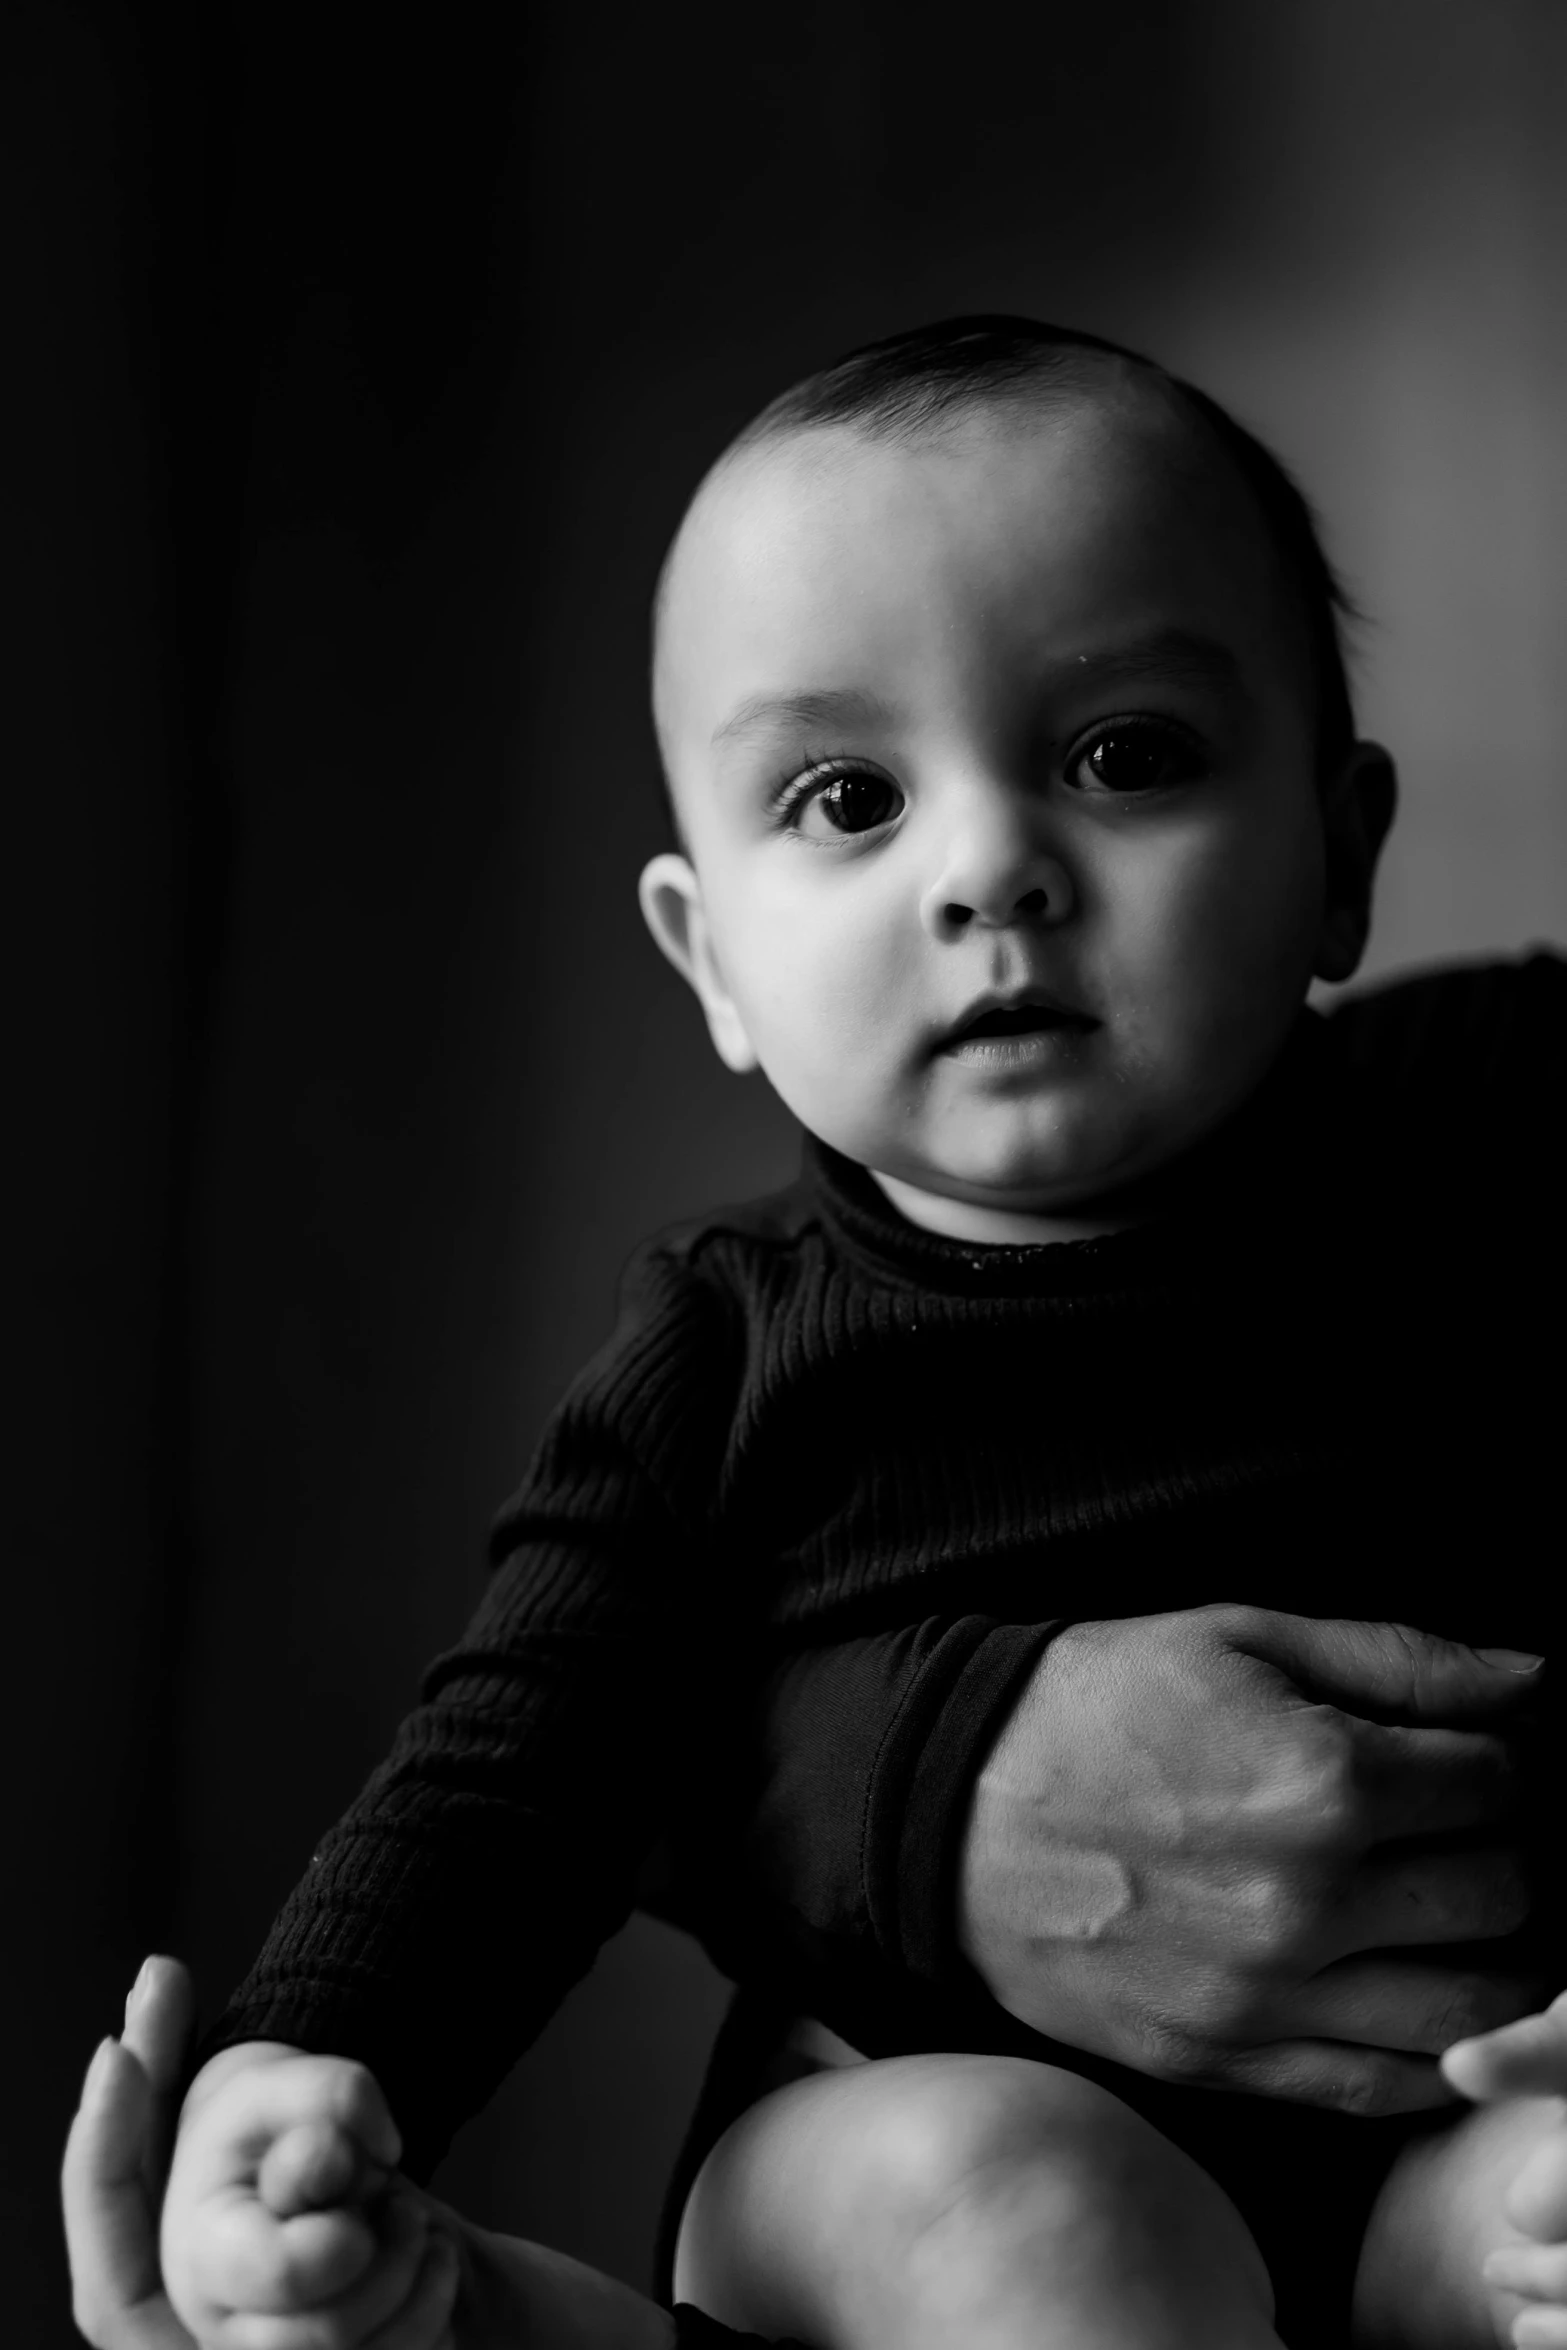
1181	654
765	713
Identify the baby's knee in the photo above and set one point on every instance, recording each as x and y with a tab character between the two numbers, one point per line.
1008	2192
835	2199
906	2201
960	2144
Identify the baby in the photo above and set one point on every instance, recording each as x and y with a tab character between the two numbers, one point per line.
1019	802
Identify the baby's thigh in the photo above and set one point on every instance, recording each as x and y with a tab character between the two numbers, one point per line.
841	2207
1439	2213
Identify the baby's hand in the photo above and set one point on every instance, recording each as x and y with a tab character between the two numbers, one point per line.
1525	2059
283	2228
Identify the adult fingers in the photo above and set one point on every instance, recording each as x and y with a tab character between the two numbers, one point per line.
1405	1897
1379	2000
1431	1781
160	2017
1343	2077
1388	1670
117	2294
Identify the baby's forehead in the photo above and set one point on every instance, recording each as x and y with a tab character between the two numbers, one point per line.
1103	491
1130	418
793	487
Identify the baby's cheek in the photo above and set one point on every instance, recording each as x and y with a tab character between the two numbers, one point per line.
1236	969
1230	900
829	1045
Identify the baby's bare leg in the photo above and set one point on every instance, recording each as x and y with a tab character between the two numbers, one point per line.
967	2203
1467	2247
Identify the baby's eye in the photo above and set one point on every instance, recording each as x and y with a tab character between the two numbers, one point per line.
1136	758
849	801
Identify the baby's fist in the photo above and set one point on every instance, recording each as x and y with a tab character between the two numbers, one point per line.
277	2230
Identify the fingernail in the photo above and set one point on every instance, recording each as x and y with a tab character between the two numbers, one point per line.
98	2070
139	1988
1510	1660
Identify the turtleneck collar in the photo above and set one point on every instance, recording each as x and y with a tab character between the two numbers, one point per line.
1261	1177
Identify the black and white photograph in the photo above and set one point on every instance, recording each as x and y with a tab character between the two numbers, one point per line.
786	1015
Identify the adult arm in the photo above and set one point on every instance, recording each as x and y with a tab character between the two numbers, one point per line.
1226	1845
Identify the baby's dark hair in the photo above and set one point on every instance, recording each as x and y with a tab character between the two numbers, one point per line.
909	384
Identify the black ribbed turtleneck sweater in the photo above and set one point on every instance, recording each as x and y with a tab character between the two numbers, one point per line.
794	1538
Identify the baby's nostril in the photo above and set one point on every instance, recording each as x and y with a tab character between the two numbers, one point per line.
958	915
1033	901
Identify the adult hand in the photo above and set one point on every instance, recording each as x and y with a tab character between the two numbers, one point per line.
116	2167
115	2159
1219	1848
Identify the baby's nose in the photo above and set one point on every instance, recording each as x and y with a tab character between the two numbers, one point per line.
995	878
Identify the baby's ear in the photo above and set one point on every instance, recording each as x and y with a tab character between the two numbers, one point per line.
1358	804
672	908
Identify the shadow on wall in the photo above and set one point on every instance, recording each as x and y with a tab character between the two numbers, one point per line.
360	407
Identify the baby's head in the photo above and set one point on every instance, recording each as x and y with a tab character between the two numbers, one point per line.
999	689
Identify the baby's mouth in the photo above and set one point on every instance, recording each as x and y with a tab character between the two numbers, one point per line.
1027	1018
1019	1020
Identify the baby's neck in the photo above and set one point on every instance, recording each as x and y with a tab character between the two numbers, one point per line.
961	1219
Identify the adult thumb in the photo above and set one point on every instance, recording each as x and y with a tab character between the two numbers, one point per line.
1392	1673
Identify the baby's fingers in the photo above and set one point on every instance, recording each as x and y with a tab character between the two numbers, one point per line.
248	2260
1537	2199
1537	2271
234	2127
404	2305
316	2163
1525	2059
1541	2329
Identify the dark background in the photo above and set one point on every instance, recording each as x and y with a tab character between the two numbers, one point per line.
356	366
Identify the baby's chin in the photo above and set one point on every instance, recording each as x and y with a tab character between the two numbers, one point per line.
1010	1205
1062	1186
1074	1165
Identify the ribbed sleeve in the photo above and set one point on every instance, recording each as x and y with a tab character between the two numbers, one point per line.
444	1917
